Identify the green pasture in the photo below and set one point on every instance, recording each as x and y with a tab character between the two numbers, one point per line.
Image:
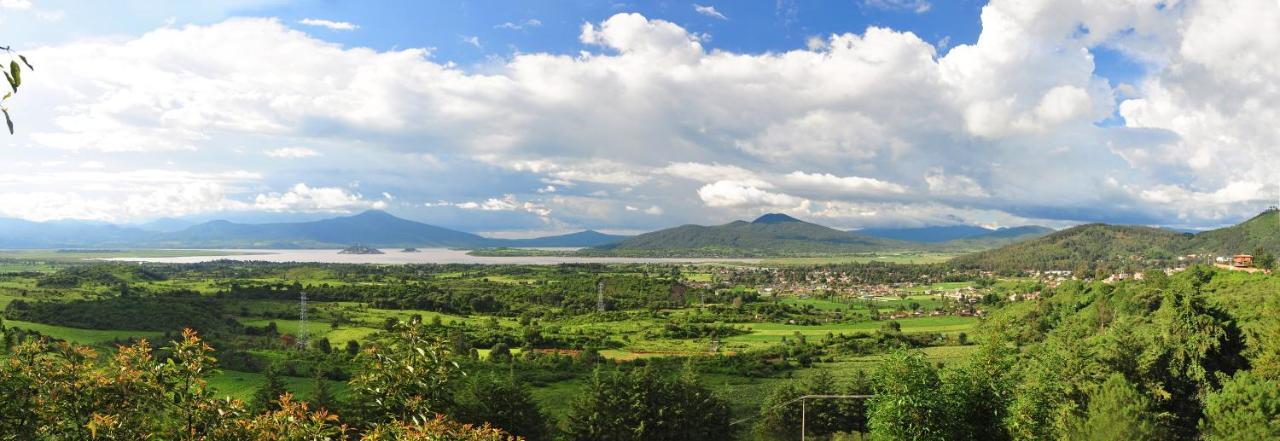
83	336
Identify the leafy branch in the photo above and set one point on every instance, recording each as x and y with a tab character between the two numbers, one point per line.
14	75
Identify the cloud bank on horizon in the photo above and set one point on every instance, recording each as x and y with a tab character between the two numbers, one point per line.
646	123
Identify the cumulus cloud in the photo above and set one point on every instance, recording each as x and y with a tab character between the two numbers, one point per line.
329	24
747	194
507	202
852	123
841	185
953	185
291	153
302	198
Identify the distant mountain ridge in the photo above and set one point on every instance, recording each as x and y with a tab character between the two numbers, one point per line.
947	233
772	233
371	228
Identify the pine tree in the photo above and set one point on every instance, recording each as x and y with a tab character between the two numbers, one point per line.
1118	411
323	397
267	396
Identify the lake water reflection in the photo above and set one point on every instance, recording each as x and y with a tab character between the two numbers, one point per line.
396	256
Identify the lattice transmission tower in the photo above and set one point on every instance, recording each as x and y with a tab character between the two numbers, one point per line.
303	335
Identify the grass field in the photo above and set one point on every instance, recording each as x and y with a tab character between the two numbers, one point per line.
83	336
240	385
773	332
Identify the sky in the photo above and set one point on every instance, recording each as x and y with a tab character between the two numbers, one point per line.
516	118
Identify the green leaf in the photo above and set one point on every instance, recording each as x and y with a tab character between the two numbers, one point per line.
7	120
16	70
24	61
11	83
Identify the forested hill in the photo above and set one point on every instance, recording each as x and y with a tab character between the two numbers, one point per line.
996	238
770	234
1262	231
1119	248
1089	246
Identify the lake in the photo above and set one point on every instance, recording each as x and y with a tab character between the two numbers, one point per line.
396	256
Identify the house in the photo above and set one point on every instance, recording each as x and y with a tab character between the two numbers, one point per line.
1242	261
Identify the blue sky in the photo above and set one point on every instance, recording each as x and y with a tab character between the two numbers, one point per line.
519	118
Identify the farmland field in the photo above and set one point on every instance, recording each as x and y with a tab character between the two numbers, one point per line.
533	315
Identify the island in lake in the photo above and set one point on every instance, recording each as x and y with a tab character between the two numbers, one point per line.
360	249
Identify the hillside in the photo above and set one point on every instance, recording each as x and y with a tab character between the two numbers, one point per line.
1114	247
1262	230
997	238
770	234
1091	245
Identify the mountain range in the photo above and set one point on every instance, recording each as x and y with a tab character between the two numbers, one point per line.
372	228
770	234
780	234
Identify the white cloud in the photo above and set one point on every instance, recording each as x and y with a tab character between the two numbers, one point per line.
840	185
706	172
17	5
530	23
953	185
652	210
472	40
291	153
506	203
1012	117
332	25
916	6
306	199
746	194
709	11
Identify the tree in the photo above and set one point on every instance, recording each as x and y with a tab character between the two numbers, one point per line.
979	391
1247	408
644	405
1263	259
907	403
353	348
780	413
500	353
322	344
267	397
503	402
1195	343
410	376
323	398
1118	411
